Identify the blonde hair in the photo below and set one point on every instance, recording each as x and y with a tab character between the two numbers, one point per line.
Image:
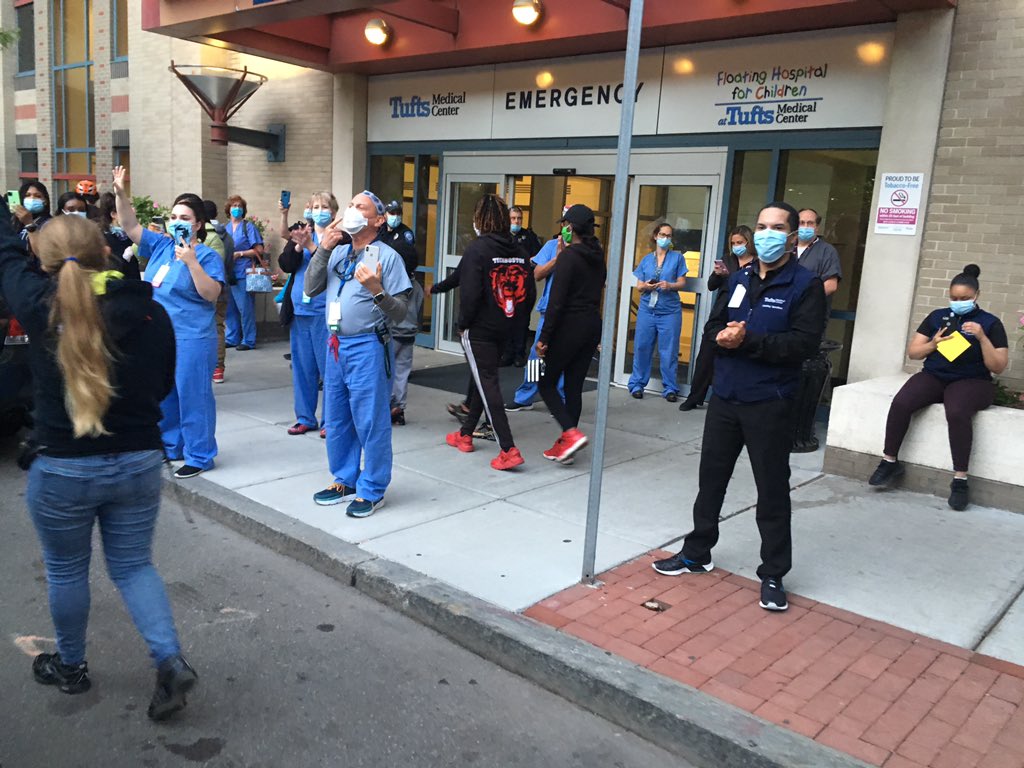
71	249
325	198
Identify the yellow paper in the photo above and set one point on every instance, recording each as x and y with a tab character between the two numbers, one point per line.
953	346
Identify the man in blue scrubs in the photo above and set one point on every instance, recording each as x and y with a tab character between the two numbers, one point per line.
367	288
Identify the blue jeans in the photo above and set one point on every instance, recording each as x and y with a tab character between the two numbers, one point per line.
64	497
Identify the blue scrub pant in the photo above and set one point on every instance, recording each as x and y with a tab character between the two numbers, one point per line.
190	412
240	326
357	412
666	329
528	389
309	359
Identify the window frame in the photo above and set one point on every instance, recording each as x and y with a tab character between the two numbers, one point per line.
18	5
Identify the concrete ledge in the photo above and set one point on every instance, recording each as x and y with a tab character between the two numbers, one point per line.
676	717
857	425
986	493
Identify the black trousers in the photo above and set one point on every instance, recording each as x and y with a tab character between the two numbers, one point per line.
766	429
483	357
569	354
703	369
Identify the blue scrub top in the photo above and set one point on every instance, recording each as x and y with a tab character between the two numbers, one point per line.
544	255
359	314
245	236
192	316
673	268
315	306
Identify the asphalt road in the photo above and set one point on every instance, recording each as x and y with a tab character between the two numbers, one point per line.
295	670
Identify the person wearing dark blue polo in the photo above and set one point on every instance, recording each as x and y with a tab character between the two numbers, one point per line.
765	323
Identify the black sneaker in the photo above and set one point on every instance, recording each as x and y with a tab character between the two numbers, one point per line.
959	494
243	347
456	410
773	595
48	669
513	407
185	471
398	416
638	395
688	405
678	565
174	679
887	473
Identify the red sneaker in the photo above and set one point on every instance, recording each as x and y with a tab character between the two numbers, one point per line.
458	440
218	375
566	445
299	429
323	433
508	459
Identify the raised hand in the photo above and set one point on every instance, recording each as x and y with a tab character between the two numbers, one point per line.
119	174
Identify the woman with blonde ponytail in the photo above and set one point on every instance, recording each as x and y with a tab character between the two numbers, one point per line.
102	359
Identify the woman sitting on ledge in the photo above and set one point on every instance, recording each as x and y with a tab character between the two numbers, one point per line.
962	347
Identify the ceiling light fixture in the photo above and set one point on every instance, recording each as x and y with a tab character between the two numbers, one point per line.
527	12
377	31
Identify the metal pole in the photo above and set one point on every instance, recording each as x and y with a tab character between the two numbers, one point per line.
615	255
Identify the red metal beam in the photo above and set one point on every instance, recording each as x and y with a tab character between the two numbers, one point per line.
428	14
623	4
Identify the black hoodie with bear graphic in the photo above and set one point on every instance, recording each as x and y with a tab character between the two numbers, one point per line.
497	289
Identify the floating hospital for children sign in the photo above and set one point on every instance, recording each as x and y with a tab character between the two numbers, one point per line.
899	204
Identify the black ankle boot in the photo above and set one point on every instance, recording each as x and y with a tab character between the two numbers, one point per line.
174	678
48	669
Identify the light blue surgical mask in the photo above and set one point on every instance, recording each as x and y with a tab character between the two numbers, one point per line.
34	205
322	217
180	230
806	234
236	212
307	213
664	243
116	230
394	220
516	228
962	307
81	214
739	251
770	245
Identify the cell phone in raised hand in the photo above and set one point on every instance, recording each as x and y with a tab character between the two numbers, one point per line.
159	221
13	198
371	258
286	198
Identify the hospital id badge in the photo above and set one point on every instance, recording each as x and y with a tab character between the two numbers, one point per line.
738	295
160	275
334	315
652	302
306	299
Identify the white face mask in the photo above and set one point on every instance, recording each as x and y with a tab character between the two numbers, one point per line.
353	221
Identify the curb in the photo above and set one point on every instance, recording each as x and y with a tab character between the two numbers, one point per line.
676	717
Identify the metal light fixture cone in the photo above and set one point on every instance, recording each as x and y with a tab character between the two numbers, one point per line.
377	31
220	91
527	12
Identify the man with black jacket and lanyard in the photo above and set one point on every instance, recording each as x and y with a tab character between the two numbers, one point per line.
403	333
766	322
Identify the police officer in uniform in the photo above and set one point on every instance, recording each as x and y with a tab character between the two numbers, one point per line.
765	323
403	333
515	352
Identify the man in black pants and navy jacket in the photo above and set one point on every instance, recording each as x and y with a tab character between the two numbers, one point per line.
766	322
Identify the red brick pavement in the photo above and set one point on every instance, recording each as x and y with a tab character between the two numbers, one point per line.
880	693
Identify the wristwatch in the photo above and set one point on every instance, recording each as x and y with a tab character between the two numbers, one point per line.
379	297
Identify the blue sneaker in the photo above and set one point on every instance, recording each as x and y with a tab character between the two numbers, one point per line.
335	493
678	565
363	507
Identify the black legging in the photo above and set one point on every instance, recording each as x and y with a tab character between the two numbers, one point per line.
482	357
962	399
569	353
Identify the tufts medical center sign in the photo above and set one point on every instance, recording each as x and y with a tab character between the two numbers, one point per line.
830	79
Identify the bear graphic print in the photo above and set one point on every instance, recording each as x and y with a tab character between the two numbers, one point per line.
509	286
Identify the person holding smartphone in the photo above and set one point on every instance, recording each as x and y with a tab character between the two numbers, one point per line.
34	211
958	375
740	253
240	328
660	276
187	277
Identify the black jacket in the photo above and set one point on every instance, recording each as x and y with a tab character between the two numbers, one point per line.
140	338
496	287
576	291
119	244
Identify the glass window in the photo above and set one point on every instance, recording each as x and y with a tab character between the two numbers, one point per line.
751	172
29	160
120	29
26	38
71	31
123	157
838	184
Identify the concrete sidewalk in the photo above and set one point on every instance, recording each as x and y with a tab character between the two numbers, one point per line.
886	581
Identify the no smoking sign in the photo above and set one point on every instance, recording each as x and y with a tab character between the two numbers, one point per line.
899	197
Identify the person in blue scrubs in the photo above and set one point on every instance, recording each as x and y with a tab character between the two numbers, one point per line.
306	315
544	265
367	289
187	278
240	328
659	318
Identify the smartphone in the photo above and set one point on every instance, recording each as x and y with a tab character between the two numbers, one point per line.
286	198
159	221
13	198
372	257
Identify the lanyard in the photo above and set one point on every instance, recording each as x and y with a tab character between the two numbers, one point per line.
346	275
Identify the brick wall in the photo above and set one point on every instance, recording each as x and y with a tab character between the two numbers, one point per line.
44	97
977	196
8	67
102	18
